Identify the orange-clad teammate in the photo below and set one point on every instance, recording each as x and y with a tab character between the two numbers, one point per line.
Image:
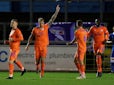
15	38
40	33
100	35
80	37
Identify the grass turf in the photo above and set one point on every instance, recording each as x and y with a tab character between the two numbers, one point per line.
56	78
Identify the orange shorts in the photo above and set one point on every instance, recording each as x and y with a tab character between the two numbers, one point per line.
13	54
79	55
40	51
99	48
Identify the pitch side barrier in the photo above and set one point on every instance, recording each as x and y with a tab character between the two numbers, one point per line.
59	58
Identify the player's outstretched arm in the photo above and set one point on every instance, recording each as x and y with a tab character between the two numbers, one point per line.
6	42
29	40
73	41
54	15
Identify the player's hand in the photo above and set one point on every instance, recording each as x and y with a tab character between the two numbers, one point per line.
6	41
68	43
10	39
57	8
75	42
26	48
104	42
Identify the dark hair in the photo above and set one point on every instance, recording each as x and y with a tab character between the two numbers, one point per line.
79	22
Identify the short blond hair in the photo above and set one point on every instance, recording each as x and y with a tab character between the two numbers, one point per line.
40	19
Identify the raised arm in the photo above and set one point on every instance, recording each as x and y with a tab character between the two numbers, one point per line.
54	15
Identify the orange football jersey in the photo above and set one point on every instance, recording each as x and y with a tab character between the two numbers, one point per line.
99	34
41	35
17	37
81	38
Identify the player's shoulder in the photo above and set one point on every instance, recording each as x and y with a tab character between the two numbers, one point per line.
76	30
34	28
46	25
18	30
83	29
93	27
103	27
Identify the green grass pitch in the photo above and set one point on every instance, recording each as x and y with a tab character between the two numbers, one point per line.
56	78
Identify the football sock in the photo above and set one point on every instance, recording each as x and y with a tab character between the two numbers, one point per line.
42	68
11	69
78	67
99	63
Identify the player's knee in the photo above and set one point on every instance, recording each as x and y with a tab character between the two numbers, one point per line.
37	61
81	63
99	53
43	60
11	62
